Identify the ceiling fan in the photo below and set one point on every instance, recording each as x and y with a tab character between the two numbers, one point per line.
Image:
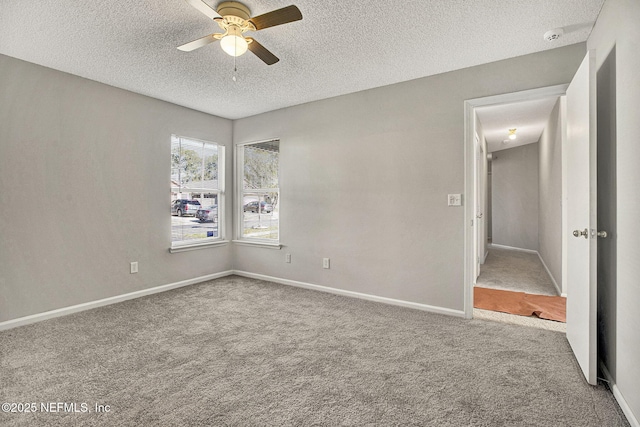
235	19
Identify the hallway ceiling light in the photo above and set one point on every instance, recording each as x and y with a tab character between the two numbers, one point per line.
512	133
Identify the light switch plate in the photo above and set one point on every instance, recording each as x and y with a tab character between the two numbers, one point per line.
454	199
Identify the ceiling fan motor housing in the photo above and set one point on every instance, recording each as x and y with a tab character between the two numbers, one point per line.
233	8
235	18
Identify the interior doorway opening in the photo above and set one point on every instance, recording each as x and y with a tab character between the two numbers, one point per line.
518	193
504	220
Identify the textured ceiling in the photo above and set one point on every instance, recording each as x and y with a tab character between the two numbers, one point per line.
339	47
528	117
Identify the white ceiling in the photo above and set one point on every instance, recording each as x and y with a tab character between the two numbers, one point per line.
339	47
528	117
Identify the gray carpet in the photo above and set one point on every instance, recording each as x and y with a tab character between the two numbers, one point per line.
240	352
513	270
514	319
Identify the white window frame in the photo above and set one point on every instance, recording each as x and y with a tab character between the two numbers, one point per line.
187	245
239	192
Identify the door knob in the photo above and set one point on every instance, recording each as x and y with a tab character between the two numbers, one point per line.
602	234
579	233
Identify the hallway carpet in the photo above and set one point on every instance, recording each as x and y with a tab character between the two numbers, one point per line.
514	270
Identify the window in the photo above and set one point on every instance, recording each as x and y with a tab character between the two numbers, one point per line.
258	191
197	192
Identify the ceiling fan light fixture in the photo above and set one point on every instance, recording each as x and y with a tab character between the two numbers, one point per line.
234	19
234	43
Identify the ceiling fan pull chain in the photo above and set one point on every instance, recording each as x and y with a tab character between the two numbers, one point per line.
235	68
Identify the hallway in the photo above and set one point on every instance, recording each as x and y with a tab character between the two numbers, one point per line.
513	270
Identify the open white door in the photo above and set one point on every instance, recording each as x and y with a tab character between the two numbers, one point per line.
580	202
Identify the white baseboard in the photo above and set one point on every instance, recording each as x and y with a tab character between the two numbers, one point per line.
513	248
619	397
369	297
553	279
26	320
34	318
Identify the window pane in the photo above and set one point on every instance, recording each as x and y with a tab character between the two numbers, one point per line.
261	165
210	166
260	215
194	190
196	163
191	228
175	161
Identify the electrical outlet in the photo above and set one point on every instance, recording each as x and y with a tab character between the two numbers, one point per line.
287	258
134	267
325	262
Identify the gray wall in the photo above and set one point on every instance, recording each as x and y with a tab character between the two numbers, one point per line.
489	201
617	26
483	184
365	177
550	195
486	213
84	179
514	197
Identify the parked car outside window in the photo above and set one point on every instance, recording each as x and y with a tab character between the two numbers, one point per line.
183	207
207	214
253	207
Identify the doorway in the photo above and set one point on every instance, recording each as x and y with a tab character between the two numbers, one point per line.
524	223
523	211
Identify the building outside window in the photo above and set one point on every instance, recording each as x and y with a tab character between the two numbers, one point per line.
197	191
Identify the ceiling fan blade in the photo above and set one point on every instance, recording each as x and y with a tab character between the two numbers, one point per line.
277	17
262	52
188	47
204	8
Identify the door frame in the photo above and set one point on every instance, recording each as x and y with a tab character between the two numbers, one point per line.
471	182
480	202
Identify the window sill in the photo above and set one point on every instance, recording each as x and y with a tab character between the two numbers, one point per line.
267	245
194	246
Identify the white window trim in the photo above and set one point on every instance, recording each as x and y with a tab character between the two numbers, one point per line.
261	243
194	246
238	196
208	242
